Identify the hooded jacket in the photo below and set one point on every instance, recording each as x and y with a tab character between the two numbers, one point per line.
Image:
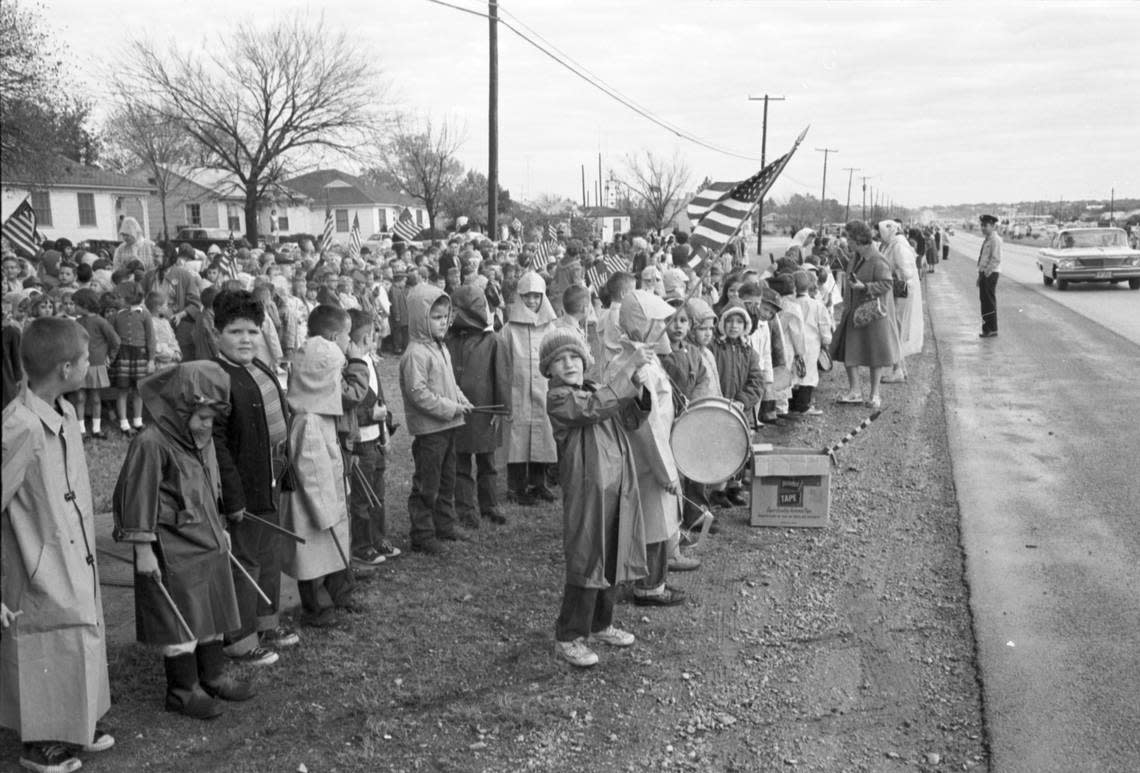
653	456
531	439
315	509
738	363
167	494
427	382
479	359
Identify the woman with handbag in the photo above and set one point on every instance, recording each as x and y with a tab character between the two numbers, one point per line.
867	335
907	292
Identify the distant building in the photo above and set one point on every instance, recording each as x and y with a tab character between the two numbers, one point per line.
348	197
80	202
606	222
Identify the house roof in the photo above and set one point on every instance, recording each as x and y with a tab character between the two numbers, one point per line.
72	174
337	188
224	184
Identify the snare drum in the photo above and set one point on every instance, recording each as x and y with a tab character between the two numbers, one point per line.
710	441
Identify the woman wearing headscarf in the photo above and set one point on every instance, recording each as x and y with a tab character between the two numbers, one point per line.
908	310
876	344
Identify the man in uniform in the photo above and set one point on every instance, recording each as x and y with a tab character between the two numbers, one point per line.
989	267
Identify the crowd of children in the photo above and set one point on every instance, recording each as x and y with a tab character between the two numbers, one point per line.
266	436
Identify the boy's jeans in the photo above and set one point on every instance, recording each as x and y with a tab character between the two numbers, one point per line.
431	505
368	523
475	494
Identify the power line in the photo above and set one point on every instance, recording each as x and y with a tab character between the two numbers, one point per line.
601	86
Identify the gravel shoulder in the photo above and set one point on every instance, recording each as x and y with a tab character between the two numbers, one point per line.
847	648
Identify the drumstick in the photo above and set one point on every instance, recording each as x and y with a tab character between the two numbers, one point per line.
274	527
174	607
830	451
247	576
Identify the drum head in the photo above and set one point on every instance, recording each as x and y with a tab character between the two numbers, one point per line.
711	441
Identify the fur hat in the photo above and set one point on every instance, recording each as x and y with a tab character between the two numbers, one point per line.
557	341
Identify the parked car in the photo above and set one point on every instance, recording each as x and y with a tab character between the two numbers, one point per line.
1089	255
203	238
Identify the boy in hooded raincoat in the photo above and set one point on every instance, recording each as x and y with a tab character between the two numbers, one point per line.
603	534
434	408
317	509
642	320
530	445
482	370
166	506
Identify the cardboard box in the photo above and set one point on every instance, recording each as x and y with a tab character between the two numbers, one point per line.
790	487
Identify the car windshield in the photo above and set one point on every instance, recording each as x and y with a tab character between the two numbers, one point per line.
1108	237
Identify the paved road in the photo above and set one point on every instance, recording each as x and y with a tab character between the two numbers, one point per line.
1042	424
1114	306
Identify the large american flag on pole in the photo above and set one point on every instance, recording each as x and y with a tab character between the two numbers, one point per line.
330	227
354	238
20	229
727	211
405	226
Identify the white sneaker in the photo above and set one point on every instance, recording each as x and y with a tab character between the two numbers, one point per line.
615	637
576	653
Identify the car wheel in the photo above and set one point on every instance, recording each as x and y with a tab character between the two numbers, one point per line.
1062	284
1047	279
1134	284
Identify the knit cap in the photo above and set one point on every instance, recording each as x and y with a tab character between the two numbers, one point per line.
557	341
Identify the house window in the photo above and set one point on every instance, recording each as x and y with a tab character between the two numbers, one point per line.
283	223
233	217
419	217
617	225
194	214
342	220
41	203
87	209
383	219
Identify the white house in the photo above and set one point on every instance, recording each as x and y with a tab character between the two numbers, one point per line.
607	222
349	197
80	202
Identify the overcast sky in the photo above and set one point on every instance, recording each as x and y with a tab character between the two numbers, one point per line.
938	102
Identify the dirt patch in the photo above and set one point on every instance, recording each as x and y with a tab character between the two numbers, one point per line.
842	649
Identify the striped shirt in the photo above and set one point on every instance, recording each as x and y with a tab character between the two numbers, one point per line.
274	412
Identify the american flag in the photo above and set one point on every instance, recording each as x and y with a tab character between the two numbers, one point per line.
545	252
723	218
354	238
327	236
599	273
704	199
227	263
551	232
20	229
406	227
516	227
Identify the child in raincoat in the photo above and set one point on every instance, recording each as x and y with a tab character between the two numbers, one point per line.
530	444
53	657
642	320
603	535
741	380
317	509
166	506
817	334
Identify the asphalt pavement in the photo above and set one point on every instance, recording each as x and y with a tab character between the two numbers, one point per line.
1045	445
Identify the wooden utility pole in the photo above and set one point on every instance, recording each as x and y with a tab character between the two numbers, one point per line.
851	170
823	193
583	185
493	124
865	178
763	162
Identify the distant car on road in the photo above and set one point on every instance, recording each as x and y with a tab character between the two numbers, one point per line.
1089	255
203	238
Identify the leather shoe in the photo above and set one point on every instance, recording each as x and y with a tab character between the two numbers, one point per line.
670	597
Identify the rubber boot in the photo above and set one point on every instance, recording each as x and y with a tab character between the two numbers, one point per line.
213	678
183	693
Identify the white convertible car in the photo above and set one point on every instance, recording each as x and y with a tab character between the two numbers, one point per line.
1089	255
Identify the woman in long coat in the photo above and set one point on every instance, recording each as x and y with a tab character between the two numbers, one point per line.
908	310
530	444
875	345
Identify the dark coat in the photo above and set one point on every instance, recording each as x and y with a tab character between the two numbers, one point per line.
167	494
599	480
739	368
687	374
481	364
10	360
241	440
877	344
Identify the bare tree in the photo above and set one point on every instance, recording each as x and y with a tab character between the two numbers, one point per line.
261	98
658	182
139	137
420	156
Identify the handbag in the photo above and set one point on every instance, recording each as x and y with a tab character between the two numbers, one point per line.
824	363
899	287
867	312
